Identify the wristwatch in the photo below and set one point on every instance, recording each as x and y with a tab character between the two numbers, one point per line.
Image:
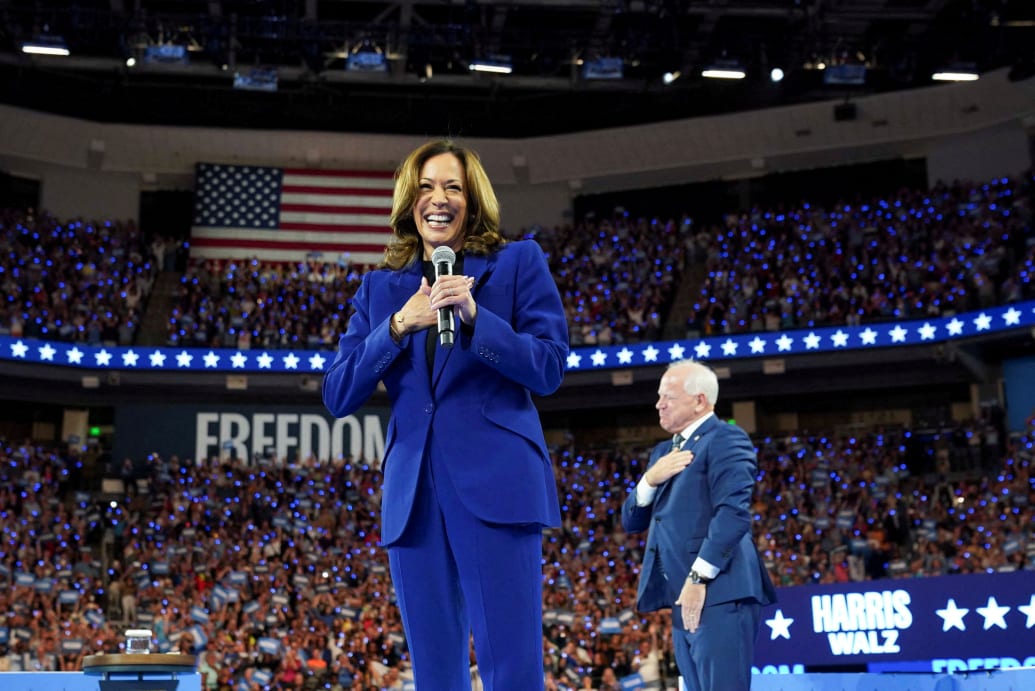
697	579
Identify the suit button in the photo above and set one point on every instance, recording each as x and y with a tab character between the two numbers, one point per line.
429	408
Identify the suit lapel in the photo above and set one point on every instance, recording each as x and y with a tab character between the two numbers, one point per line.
475	265
704	430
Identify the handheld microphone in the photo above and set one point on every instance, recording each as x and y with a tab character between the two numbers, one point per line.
443	259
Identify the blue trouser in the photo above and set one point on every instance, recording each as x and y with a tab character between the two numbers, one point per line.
719	654
455	575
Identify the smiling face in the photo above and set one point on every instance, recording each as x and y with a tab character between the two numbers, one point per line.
440	210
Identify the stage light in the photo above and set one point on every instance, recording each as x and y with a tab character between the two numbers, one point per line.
492	65
45	44
776	75
956	73
670	77
723	72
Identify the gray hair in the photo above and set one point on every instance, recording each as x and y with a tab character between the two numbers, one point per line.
699	379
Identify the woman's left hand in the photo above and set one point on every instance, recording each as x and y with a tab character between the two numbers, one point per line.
454	291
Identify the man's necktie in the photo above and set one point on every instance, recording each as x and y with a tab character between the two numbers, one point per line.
677	442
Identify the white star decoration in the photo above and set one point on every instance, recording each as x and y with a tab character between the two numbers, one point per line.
47	352
927	332
650	354
1012	317
291	361
676	352
780	626
129	359
839	339
729	348
102	358
574	360
598	358
757	345
955	327
211	359
952	616
811	341
157	359
868	337
238	360
898	334
1029	611
702	350
994	614
265	361
784	343
983	322
19	349
316	361
625	356
75	356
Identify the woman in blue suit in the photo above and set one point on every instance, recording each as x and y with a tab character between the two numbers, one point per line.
468	483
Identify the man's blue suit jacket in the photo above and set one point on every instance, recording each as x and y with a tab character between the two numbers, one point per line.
478	397
703	511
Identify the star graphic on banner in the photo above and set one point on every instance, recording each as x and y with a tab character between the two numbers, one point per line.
1029	611
574	360
702	350
291	361
983	322
265	361
1012	317
19	349
598	358
183	359
952	616
676	352
784	343
839	338
780	625
157	359
868	337
129	359
103	358
47	352
757	345
993	613
650	353
927	331
898	334
75	356
811	341
211	359
625	356
238	360
955	327
729	347
316	361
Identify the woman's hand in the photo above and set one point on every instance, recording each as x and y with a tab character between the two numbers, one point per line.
452	291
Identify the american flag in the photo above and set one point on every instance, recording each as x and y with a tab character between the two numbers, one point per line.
274	214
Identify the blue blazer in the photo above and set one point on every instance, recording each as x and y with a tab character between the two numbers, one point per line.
478	396
703	511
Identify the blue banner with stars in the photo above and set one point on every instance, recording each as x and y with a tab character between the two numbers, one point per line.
944	623
713	348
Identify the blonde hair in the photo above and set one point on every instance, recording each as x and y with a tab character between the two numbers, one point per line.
482	234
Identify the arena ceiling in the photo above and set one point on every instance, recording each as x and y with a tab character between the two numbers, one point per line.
427	86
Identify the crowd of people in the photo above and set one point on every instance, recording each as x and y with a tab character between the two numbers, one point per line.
73	280
272	572
915	254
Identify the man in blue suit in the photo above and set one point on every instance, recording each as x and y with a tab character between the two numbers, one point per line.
468	481
694	500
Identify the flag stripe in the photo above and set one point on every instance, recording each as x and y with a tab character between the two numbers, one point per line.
279	255
274	244
361	236
380	176
371	192
291	220
294	212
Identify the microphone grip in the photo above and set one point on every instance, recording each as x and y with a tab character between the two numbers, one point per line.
445	314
